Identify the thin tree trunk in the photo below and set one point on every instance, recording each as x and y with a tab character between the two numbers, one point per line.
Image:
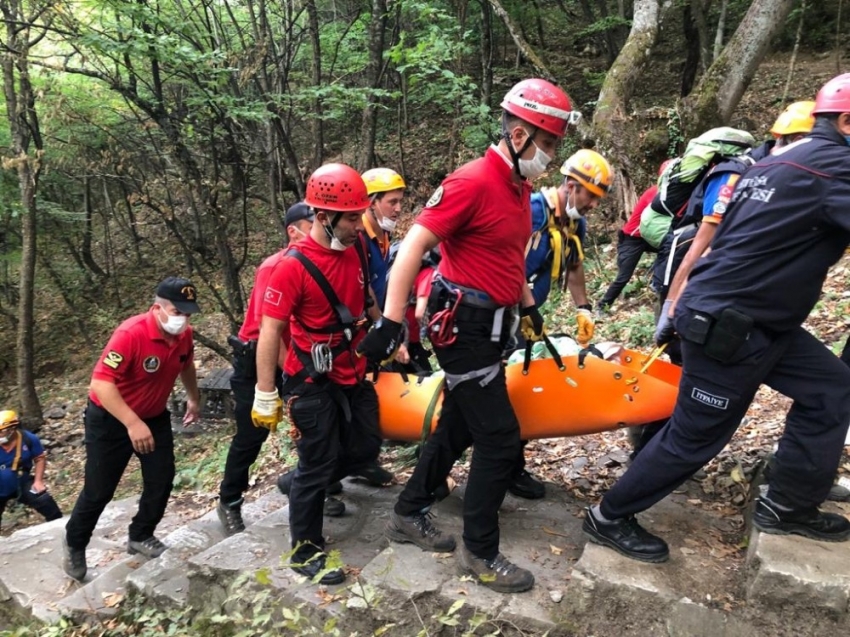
721	31
523	46
486	52
317	120
369	123
88	259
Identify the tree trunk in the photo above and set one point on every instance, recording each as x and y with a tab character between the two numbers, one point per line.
486	52
24	133
720	89
617	139
523	46
374	73
316	121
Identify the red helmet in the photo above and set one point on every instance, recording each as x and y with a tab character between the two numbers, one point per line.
834	96
664	165
541	104
336	187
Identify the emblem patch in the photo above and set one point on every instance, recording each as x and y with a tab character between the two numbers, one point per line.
151	364
113	359
718	402
272	296
436	198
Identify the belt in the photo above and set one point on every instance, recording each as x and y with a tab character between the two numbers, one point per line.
471	296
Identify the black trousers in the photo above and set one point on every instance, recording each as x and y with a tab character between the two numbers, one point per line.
629	251
108	450
713	398
328	450
471	415
248	439
42	503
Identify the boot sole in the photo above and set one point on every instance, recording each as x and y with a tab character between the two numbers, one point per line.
133	551
403	538
494	586
640	557
803	531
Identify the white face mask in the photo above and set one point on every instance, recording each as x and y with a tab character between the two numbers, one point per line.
532	168
572	211
387	224
175	324
336	244
5	437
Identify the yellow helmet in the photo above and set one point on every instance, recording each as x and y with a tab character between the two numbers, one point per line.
796	118
382	180
8	418
591	170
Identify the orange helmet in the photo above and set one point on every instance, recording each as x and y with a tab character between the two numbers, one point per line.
338	188
834	96
382	180
796	118
591	170
8	418
541	104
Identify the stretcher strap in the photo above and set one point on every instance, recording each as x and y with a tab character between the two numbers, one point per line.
654	355
429	412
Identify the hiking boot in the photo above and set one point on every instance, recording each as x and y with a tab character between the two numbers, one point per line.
526	486
314	565
811	523
499	574
150	548
230	516
838	493
334	508
625	536
417	529
74	562
375	475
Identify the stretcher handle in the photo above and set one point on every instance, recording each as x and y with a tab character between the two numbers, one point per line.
526	361
556	356
655	354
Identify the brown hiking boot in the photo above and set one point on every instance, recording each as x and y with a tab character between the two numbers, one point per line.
418	530
499	574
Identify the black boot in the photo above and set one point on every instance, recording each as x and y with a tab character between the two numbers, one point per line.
811	523
625	536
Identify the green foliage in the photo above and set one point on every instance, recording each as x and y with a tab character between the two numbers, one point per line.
608	23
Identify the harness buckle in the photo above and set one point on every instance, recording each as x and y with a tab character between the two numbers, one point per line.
323	359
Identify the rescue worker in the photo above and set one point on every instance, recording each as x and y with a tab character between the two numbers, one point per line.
248	439
630	247
386	192
739	318
320	292
482	206
556	253
127	414
22	464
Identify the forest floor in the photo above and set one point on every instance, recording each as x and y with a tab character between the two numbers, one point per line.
584	467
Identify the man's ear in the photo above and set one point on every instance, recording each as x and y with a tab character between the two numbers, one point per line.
843	123
518	135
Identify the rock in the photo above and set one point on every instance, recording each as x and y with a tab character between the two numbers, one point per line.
55	413
556	596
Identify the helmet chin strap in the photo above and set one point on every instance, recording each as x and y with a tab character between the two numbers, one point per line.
515	156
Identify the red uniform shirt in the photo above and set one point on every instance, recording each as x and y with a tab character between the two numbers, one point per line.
293	295
143	364
632	226
250	329
483	219
421	287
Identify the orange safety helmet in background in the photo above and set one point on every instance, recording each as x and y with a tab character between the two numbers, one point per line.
834	96
338	188
591	170
796	118
8	418
379	180
541	104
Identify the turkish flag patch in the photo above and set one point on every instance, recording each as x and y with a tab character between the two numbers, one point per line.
272	296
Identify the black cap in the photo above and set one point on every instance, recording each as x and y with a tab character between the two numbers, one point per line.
181	293
297	212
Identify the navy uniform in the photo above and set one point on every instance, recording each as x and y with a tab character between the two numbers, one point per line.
740	319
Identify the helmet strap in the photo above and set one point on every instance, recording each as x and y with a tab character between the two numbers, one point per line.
515	156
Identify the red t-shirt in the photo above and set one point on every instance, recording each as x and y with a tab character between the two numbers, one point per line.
143	364
421	287
483	219
632	226
292	295
250	330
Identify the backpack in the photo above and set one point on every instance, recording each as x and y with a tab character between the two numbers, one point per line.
681	177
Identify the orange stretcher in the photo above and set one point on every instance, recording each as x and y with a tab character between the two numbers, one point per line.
587	396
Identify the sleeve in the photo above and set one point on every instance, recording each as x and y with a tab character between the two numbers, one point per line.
36	448
645	199
117	356
283	290
450	207
718	196
836	201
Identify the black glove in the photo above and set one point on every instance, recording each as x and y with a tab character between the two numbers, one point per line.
381	343
664	331
531	323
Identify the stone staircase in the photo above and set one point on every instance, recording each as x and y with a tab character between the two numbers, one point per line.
787	585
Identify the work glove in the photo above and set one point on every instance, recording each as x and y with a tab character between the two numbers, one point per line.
531	323
382	341
665	331
267	410
585	325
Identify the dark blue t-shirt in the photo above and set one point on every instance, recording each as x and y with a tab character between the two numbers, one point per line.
30	448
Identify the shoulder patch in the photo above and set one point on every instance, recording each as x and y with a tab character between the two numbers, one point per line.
113	359
151	364
436	198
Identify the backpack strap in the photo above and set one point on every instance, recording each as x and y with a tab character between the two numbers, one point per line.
18	446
